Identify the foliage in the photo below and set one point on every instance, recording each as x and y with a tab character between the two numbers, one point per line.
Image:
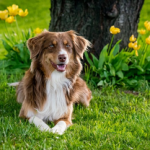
127	67
37	17
18	56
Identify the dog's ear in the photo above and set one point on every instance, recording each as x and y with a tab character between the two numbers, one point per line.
35	44
80	43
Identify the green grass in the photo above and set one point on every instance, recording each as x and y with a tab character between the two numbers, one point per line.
114	120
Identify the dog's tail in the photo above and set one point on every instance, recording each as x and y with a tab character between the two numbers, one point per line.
13	84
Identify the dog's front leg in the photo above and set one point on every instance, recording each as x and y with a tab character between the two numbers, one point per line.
60	127
39	123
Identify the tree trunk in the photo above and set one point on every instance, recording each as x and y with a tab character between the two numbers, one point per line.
93	19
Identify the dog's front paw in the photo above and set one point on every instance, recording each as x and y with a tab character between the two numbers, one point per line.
59	128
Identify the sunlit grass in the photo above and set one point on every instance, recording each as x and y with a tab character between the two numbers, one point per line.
114	120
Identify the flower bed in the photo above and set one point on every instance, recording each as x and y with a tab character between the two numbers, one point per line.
14	42
127	67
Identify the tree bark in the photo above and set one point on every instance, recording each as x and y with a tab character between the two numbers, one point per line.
93	19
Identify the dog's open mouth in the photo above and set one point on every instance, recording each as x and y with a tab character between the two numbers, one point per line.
59	67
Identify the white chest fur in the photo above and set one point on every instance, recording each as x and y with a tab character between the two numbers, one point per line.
55	106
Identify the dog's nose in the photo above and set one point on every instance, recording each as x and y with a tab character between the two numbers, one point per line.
62	58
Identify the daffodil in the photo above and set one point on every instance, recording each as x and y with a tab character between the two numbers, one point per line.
136	47
130	45
142	31
13	10
37	31
147	40
10	19
3	14
132	38
147	25
114	30
23	13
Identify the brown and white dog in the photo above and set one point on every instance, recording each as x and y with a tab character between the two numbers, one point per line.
52	83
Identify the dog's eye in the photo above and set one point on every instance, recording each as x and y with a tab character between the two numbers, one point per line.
51	45
67	45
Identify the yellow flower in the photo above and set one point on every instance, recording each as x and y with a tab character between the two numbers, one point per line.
10	19
23	14
37	31
114	30
3	14
142	31
16	49
13	10
147	25
147	40
130	45
132	38
135	46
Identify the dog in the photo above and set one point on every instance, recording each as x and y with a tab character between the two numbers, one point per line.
52	84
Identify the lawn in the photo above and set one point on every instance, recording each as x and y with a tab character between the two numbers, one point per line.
116	118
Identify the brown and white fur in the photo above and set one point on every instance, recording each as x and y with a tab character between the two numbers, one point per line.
52	83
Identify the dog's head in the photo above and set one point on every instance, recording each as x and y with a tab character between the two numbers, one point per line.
57	49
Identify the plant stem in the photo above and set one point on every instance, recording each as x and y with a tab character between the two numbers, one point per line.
8	34
109	48
145	48
17	25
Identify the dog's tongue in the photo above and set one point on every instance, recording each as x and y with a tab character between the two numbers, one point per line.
61	67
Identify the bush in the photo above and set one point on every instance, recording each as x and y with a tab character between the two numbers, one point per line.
14	42
127	67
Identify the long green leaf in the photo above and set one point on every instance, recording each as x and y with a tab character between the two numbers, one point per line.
114	51
7	46
120	74
95	61
103	57
88	59
112	70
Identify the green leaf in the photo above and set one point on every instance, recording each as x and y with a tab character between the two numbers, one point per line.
113	81
23	52
112	70
120	74
28	35
125	67
95	61
103	57
7	46
139	68
101	83
148	58
88	59
131	82
114	51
